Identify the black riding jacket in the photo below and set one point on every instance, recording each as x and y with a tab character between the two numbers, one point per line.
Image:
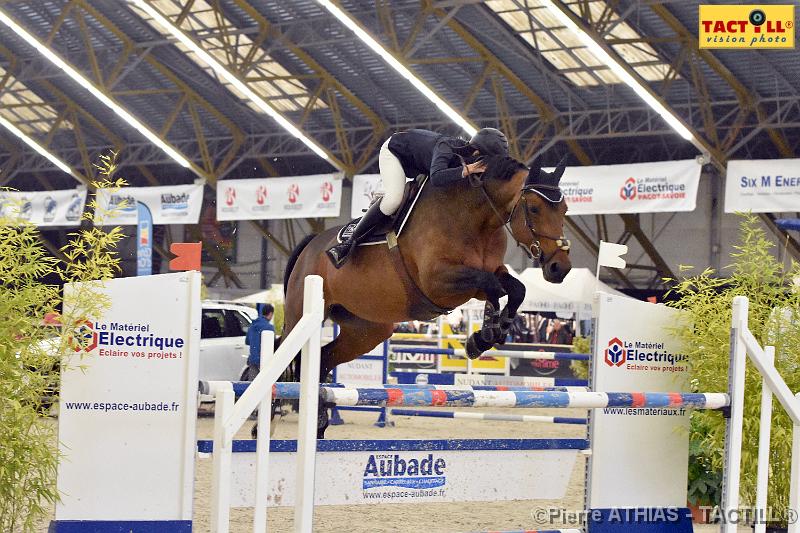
430	153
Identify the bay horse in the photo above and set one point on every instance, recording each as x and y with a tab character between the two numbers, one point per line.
450	250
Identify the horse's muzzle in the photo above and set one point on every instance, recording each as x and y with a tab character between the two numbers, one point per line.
556	269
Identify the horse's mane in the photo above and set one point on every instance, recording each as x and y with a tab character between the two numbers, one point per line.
502	167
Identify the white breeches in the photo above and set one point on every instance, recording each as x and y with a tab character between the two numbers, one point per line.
394	180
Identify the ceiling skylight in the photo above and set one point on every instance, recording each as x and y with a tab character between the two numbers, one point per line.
225	43
534	23
23	108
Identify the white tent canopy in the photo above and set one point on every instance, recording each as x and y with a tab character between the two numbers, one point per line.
572	296
273	295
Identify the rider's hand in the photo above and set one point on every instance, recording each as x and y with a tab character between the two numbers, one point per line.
474	168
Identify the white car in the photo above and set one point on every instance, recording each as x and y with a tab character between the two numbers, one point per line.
223	352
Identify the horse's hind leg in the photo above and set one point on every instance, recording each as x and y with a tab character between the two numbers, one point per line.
356	337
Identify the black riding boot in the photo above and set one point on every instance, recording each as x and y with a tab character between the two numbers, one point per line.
372	218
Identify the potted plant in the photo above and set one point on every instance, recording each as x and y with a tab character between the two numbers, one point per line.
705	482
774	318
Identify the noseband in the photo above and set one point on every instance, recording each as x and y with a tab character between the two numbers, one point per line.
561	242
534	251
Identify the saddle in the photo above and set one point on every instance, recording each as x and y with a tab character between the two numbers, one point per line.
395	224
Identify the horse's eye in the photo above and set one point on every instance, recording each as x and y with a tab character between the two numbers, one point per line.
533	209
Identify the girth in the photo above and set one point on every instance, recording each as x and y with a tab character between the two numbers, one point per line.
420	306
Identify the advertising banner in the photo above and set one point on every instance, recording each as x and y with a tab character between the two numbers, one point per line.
366	188
43	208
170	204
277	198
455	363
636	349
763	186
382	473
366	371
128	403
664	186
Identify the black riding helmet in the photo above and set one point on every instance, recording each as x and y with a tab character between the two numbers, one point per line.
490	141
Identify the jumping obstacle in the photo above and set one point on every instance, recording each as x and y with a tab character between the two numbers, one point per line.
290	390
490	416
124	478
523	399
519	354
493	380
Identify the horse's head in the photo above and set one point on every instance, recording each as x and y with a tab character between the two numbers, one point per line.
538	222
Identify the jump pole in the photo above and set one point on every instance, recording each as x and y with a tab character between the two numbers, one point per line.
519	354
490	416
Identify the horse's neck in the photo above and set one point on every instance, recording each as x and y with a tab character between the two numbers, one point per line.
468	207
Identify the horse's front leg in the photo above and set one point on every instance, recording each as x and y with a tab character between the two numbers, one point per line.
516	295
464	279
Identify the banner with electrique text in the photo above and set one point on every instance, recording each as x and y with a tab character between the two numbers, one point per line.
656	187
128	404
318	195
168	204
366	189
636	349
763	186
43	208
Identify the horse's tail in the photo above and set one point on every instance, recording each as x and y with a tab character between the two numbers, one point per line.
293	260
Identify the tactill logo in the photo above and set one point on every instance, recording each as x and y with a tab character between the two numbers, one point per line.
746	26
615	354
628	191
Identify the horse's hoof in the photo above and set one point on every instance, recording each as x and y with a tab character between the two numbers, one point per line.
323	420
473	351
490	335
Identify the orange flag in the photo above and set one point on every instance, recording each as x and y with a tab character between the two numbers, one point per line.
187	255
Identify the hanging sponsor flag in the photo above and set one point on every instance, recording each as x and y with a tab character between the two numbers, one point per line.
636	188
366	188
43	208
170	204
763	186
144	241
318	195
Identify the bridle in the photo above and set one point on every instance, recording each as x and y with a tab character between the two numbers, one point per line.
561	242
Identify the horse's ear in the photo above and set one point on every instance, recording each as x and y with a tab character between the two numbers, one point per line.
559	171
533	174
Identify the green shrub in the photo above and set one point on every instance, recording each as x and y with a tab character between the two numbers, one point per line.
580	369
758	275
32	353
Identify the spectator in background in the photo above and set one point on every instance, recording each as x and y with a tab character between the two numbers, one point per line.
540	329
253	339
558	334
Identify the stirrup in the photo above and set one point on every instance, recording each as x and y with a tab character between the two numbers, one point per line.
337	259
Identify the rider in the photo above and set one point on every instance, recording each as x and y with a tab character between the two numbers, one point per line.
414	152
